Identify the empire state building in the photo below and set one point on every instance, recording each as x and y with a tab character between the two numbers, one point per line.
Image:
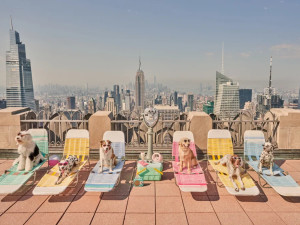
140	89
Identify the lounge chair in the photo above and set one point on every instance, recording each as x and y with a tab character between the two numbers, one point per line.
219	144
107	181
77	143
13	179
281	182
194	182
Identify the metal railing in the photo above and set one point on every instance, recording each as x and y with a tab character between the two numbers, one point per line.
136	131
267	123
57	125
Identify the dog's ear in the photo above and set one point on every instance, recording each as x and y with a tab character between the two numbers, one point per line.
109	142
101	143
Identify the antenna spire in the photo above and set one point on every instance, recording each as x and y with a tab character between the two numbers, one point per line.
11	23
270	79
222	69
140	64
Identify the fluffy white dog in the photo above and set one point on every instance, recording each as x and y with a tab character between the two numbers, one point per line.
30	154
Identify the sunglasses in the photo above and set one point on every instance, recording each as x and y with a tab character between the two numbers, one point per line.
63	164
106	145
186	140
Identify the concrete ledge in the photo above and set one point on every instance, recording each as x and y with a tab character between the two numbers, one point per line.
99	122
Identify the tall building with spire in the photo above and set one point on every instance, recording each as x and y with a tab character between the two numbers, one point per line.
19	86
227	94
269	99
140	89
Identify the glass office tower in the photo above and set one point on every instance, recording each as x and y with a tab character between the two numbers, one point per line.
19	86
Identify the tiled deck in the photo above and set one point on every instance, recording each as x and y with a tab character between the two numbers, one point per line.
159	202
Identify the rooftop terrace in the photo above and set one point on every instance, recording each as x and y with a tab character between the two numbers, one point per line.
158	202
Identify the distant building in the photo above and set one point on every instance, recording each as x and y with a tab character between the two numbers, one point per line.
179	103
167	112
208	107
117	97
2	104
37	105
127	100
220	79
19	86
227	105
71	102
105	97
140	89
269	99
174	98
110	105
191	102
92	106
245	96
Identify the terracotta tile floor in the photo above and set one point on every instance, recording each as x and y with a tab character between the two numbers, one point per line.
159	202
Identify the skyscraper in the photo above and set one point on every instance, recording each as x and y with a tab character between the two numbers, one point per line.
71	102
220	79
227	105
245	96
117	97
191	102
269	99
19	86
140	89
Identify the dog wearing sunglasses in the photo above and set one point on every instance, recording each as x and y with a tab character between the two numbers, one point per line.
65	167
107	157
30	154
234	164
267	158
186	155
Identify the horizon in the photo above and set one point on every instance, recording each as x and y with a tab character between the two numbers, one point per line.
180	44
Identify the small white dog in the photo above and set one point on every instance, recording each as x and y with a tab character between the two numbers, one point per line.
30	154
107	156
65	167
267	158
234	164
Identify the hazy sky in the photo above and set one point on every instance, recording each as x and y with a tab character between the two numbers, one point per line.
98	42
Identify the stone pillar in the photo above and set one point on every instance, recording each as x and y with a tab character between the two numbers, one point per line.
200	124
10	126
288	131
99	122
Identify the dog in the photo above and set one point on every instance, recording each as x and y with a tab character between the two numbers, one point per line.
233	164
30	154
267	158
107	156
186	155
65	167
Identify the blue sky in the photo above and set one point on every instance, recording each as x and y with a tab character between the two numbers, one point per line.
98	42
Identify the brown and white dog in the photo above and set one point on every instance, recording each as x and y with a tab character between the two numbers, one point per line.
267	158
107	156
30	154
233	164
186	155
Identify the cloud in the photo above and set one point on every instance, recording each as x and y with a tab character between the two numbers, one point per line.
209	53
286	50
245	54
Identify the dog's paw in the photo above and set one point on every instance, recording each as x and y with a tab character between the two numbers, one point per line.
243	188
260	171
189	171
271	173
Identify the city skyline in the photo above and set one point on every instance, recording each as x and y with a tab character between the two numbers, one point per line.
185	46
